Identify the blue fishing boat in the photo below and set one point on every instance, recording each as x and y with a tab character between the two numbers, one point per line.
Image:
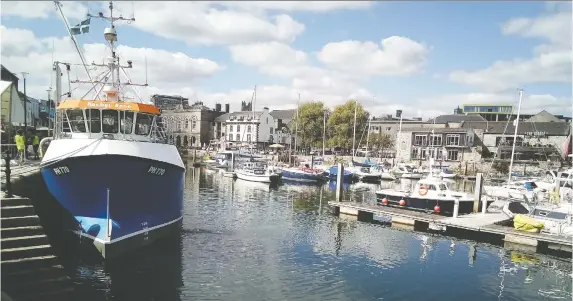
111	165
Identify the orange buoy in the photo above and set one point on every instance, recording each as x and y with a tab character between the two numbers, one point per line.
385	201
437	208
402	203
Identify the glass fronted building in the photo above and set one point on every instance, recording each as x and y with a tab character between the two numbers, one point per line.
489	112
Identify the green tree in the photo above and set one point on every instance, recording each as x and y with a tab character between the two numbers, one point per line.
310	124
381	141
340	125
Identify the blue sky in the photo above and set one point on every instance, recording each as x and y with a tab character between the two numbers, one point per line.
457	36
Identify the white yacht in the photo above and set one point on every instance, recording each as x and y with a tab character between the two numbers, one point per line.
256	171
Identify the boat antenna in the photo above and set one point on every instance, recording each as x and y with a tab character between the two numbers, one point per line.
112	62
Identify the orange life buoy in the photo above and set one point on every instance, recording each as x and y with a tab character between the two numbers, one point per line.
423	190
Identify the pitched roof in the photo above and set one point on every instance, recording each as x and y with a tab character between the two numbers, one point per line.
226	116
420	129
524	127
456	118
544	116
283	114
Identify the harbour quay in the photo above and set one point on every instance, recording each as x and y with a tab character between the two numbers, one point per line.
482	226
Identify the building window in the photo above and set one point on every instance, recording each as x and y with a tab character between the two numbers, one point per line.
230	137
238	128
230	128
414	153
388	129
420	140
436	140
238	137
248	137
193	124
248	129
186	124
272	131
452	155
453	140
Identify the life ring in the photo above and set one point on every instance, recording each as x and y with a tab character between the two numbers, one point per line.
422	190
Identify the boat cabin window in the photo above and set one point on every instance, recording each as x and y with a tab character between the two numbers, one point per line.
143	124
126	122
77	122
94	124
443	187
110	121
431	187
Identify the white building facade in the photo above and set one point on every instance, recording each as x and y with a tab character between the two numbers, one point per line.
248	127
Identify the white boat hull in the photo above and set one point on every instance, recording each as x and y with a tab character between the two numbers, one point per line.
265	178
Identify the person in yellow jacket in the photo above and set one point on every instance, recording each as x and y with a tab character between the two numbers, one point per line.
19	140
36	145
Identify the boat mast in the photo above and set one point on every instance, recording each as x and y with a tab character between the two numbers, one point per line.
354	130
515	135
296	124
323	134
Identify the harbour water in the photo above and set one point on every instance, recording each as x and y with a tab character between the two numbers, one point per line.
248	241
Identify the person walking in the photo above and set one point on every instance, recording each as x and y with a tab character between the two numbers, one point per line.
36	145
19	140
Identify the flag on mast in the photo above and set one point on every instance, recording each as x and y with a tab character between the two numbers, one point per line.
83	27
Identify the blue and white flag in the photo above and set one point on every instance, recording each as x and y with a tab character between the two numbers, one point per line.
83	27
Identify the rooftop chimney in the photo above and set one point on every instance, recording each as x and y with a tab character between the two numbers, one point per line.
218	107
227	108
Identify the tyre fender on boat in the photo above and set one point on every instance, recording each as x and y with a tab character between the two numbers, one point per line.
423	190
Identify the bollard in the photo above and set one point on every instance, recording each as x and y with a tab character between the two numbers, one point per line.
8	172
312	161
479	186
483	204
456	207
339	182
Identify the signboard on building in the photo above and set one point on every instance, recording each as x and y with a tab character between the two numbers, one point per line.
535	134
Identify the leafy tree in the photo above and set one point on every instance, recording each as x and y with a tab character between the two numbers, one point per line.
341	123
310	121
380	141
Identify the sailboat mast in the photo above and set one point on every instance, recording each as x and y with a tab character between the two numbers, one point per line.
354	130
515	135
323	133
296	124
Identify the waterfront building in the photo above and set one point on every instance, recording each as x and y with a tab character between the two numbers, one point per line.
284	126
500	112
537	141
447	145
192	126
390	125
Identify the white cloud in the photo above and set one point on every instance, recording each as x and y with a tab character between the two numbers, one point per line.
42	9
396	56
551	62
291	6
202	23
166	69
265	54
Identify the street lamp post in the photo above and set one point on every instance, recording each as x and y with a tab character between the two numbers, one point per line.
25	115
49	90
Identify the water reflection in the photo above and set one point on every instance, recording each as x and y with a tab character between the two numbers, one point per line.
250	241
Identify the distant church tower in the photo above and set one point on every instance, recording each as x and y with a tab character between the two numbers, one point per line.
458	111
246	106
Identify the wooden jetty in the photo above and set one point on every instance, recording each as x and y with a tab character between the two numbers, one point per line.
470	225
30	269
